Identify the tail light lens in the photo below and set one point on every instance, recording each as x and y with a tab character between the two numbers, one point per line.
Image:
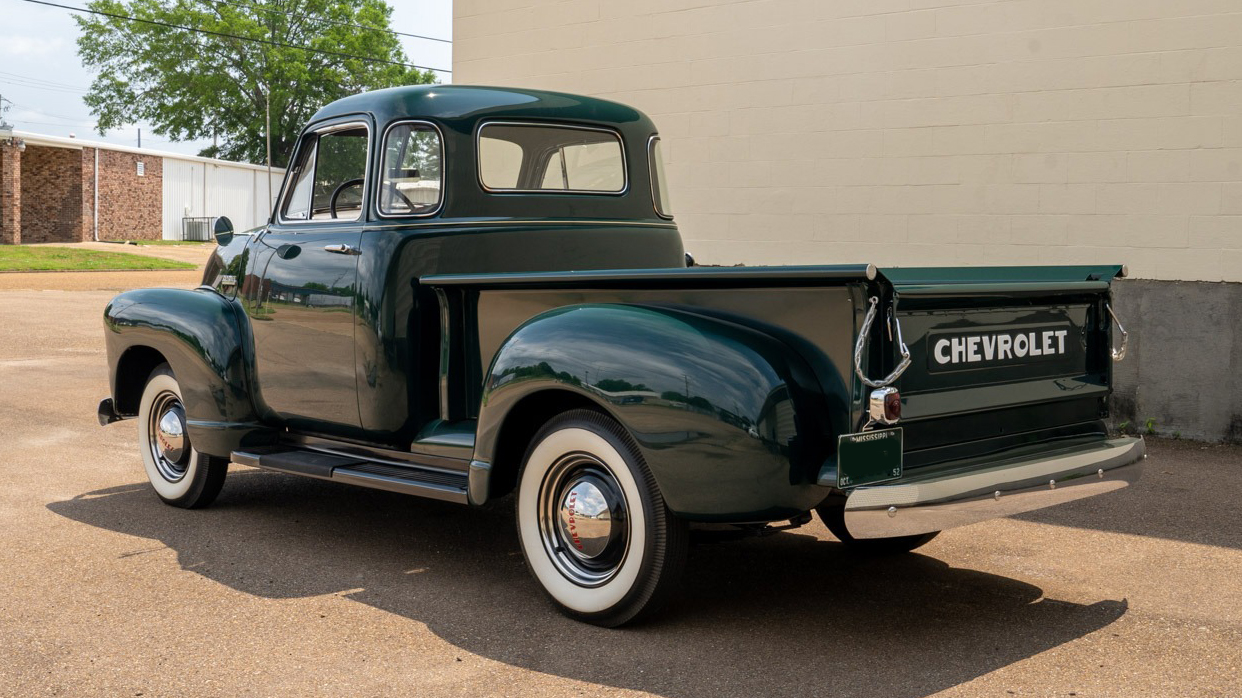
892	406
885	407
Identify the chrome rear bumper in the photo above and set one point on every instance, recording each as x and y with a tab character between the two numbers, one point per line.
1014	486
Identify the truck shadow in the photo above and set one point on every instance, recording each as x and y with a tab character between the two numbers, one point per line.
786	615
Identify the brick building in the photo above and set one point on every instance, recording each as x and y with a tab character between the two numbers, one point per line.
66	190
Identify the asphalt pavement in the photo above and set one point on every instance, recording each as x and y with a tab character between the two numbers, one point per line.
296	587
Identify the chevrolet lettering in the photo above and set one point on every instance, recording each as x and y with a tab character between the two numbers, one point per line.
473	293
998	347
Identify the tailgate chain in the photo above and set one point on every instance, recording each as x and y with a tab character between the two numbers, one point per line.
861	345
1120	352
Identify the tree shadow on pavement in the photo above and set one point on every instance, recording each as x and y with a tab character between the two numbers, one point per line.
788	615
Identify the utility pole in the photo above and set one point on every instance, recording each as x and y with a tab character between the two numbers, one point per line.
267	96
268	129
139	138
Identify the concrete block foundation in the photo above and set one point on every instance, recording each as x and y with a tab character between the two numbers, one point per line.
1183	369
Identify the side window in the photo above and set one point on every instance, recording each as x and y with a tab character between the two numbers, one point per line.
298	204
329	177
533	157
659	183
340	169
413	171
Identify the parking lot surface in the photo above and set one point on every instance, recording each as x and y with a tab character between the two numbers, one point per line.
297	587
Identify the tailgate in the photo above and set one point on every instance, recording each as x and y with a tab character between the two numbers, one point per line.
1001	357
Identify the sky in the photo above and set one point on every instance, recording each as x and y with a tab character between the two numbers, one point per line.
41	74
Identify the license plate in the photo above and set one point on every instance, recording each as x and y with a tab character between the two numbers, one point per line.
868	457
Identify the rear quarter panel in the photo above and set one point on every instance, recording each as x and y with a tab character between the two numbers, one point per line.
734	396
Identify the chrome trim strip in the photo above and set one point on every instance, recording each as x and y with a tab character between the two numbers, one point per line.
939	503
280	202
518	223
403	486
479	482
651	168
373	454
478	158
379	174
245	458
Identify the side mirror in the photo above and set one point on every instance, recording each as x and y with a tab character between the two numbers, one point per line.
223	228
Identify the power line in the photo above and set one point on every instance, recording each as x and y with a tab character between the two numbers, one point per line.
40	86
48	123
234	36
40	112
42	80
295	15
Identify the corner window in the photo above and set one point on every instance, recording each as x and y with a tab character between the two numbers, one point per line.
535	157
659	183
413	176
329	176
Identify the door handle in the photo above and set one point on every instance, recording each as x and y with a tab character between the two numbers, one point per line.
342	249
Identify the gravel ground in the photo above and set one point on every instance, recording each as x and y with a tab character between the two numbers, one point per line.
297	587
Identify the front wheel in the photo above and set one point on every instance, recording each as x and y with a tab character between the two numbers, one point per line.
593	526
179	474
833	516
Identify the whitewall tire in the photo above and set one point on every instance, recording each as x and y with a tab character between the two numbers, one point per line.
179	474
592	524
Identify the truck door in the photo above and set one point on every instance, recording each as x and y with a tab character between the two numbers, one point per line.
302	295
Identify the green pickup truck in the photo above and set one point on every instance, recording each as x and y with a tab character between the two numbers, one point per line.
467	292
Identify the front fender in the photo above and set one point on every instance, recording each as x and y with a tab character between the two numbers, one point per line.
200	334
720	412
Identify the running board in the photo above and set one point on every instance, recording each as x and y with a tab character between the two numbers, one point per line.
422	481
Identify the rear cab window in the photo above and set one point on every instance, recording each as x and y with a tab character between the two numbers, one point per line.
551	158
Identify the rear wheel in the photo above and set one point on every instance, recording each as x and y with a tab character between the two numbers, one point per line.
833	516
593	526
179	474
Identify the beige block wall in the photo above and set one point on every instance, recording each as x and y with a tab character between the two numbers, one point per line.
913	132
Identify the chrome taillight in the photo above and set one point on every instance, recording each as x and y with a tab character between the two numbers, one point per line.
885	407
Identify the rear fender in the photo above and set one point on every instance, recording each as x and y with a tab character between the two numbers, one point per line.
199	334
715	408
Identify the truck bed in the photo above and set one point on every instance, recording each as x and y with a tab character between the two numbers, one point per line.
950	412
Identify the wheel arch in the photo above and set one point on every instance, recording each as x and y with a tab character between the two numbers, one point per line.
133	369
198	333
518	430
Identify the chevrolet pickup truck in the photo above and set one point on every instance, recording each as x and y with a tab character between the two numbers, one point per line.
467	292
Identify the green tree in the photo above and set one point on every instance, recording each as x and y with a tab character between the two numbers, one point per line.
195	85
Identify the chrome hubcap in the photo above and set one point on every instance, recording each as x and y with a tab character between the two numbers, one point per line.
167	440
171	436
583	520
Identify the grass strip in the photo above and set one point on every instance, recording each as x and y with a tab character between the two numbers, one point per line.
24	258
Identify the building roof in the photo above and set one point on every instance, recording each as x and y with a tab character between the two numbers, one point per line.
464	105
78	144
